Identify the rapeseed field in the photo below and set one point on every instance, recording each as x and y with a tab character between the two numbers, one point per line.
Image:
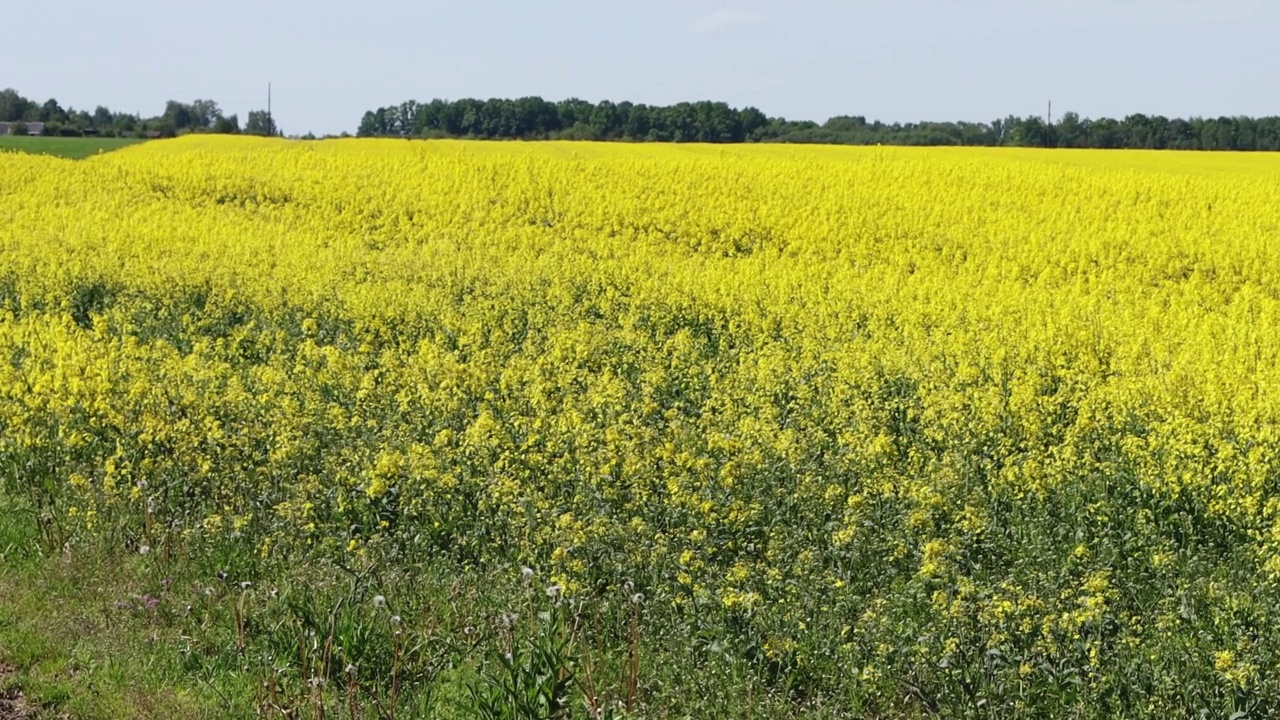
825	431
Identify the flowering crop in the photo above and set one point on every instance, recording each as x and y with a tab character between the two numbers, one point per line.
882	416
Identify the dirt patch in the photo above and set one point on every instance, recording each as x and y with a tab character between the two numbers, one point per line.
12	704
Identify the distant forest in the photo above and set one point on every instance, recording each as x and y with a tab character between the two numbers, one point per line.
177	118
533	118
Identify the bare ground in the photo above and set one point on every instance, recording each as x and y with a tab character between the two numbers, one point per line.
12	704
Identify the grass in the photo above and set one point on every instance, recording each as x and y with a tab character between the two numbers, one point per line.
71	653
72	148
94	633
83	642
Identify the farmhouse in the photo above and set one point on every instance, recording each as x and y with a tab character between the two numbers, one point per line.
33	128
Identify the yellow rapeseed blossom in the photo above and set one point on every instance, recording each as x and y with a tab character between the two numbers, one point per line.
820	388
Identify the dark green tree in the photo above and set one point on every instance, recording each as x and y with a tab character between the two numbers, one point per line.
1070	132
13	106
705	121
260	123
102	117
227	125
205	114
52	112
179	115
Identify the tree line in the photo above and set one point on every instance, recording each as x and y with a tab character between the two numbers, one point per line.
533	118
178	118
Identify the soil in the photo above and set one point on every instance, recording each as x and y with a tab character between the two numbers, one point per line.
12	705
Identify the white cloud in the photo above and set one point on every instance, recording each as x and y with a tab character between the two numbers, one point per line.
721	22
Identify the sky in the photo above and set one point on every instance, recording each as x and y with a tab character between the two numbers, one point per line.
893	60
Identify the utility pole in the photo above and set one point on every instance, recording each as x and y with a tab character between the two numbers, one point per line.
1048	126
271	124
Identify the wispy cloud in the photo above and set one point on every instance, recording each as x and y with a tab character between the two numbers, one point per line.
721	22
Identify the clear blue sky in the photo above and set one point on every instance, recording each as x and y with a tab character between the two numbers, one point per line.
894	60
